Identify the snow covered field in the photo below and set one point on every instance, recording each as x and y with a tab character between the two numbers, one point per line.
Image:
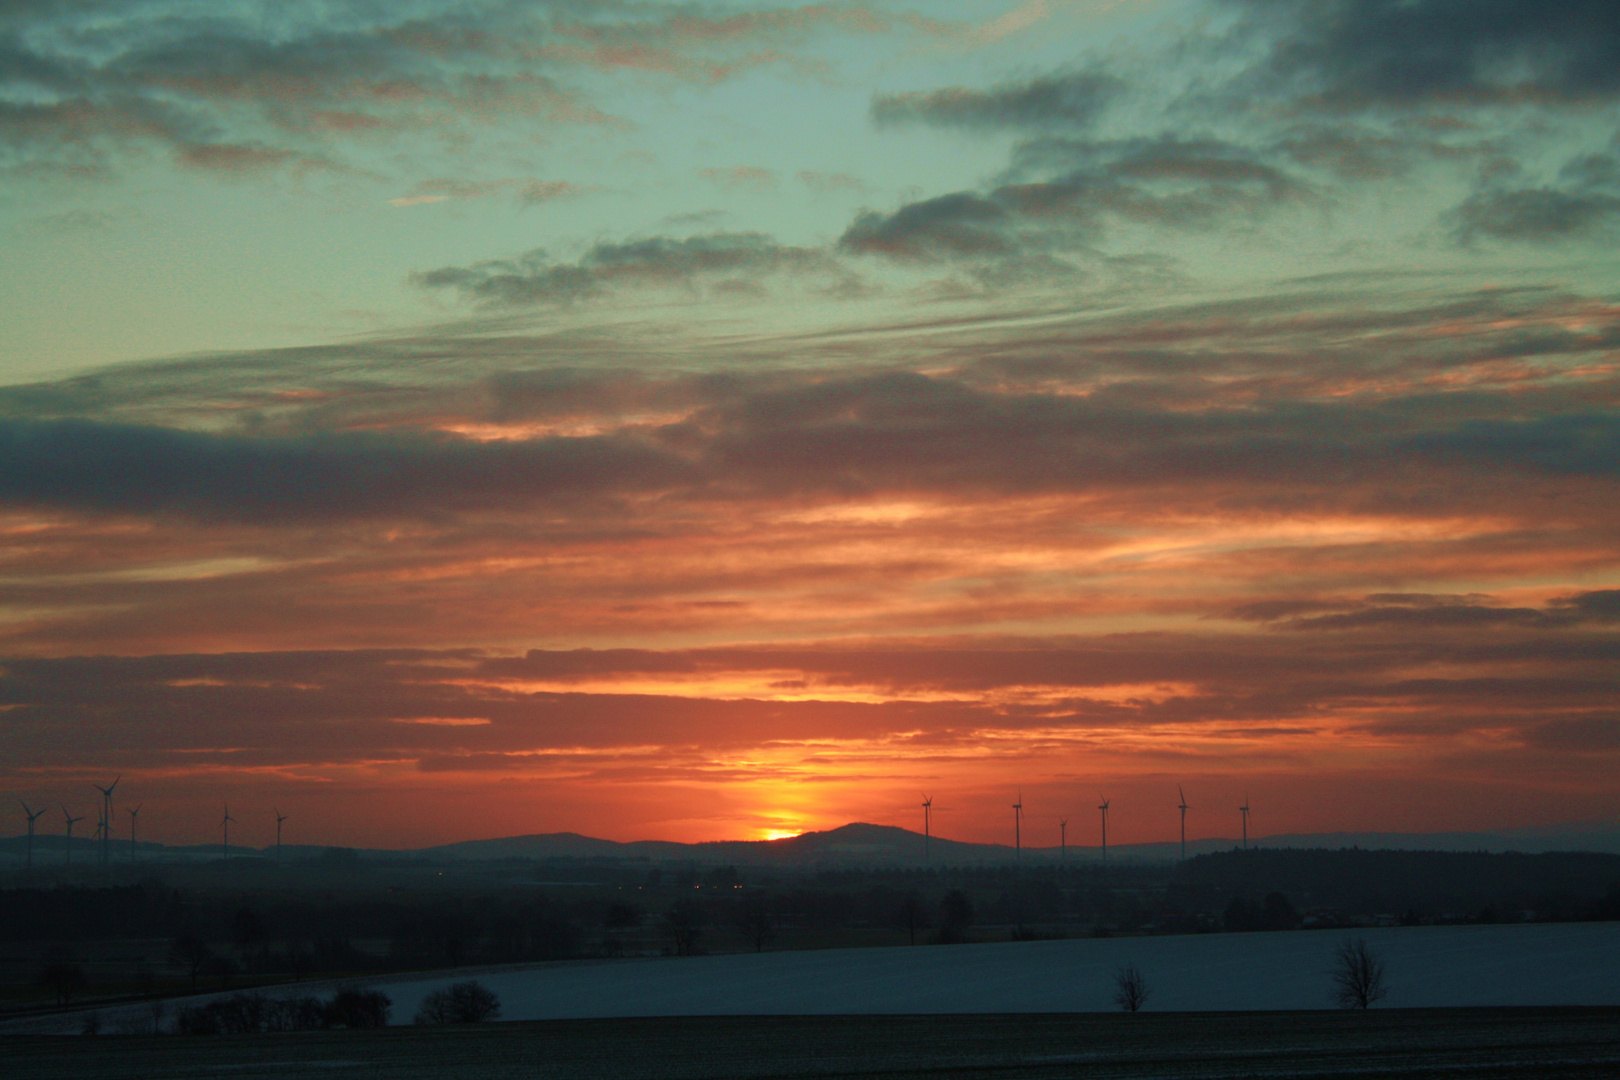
1428	967
1552	964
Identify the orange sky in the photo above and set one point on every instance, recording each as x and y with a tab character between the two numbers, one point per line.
663	423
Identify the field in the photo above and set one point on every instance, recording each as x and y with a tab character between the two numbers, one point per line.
1428	967
1549	1044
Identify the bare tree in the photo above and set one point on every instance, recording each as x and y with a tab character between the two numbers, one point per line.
62	973
913	917
469	1002
684	922
193	954
753	918
1358	975
1131	988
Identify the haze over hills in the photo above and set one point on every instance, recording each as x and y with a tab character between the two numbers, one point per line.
856	844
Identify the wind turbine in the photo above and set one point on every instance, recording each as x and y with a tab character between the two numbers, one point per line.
1104	809
67	859
1183	807
133	814
33	815
1245	809
1063	839
1018	826
106	818
280	817
225	823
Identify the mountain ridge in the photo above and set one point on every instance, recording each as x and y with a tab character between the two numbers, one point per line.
868	844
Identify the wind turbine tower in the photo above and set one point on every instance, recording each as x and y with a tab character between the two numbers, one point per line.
33	816
1063	839
106	819
133	814
280	817
928	813
1018	827
225	824
1183	808
67	858
1245	809
1104	809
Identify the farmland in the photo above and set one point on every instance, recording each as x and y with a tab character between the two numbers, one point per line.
1552	1044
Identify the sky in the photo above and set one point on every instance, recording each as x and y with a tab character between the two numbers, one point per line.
721	420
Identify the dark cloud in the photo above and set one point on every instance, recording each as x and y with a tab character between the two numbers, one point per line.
1533	214
1423	612
1341	55
1588	734
463	709
655	262
239	87
1586	444
1062	191
144	470
1073	100
1288	424
958	225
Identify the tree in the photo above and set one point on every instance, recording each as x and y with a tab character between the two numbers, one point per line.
193	954
956	915
248	932
913	917
753	918
469	1002
684	922
1358	975
357	1008
62	974
1131	988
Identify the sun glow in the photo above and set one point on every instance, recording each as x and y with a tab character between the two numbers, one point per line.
778	834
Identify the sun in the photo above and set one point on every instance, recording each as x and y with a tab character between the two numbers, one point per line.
779	834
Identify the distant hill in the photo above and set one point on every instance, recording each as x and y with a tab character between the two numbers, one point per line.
857	844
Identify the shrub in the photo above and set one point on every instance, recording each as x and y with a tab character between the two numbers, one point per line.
357	1008
469	1002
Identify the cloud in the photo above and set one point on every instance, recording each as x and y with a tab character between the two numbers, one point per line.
655	262
750	177
125	469
1344	55
527	192
1583	201
1426	612
1073	100
242	87
1063	191
826	182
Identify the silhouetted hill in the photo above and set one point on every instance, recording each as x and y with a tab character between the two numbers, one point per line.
855	845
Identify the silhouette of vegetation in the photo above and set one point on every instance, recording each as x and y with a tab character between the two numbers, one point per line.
684	923
1274	913
1358	975
913	916
469	1002
251	1012
753	918
955	916
347	916
191	953
62	974
1131	988
353	1007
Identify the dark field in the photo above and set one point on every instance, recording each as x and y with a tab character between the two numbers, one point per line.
1539	1043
